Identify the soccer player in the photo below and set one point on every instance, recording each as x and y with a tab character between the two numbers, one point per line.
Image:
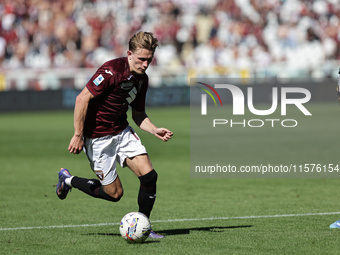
102	130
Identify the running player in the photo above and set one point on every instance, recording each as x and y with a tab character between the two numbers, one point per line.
101	128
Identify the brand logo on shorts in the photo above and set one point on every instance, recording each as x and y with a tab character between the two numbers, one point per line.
100	174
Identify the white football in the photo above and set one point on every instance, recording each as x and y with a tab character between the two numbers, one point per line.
135	227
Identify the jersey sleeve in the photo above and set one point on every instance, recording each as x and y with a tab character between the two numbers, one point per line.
100	81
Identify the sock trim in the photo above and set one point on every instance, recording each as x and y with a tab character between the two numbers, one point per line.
68	181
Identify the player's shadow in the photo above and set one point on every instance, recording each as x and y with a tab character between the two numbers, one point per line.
184	231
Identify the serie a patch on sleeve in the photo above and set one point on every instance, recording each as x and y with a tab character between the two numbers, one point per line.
98	80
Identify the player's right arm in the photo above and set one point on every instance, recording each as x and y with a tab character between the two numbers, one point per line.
80	110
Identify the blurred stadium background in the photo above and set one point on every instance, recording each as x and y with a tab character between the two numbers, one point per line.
54	46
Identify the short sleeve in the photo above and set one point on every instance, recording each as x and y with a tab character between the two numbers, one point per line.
100	81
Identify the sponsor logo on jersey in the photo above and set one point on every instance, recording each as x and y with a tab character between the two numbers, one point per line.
140	84
127	85
98	80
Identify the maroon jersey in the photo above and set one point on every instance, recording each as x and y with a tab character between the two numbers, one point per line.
114	88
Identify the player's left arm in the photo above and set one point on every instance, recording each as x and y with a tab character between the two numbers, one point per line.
143	122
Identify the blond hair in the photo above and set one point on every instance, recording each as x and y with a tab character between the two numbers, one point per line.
143	40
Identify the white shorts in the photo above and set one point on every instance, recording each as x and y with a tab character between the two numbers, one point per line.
104	152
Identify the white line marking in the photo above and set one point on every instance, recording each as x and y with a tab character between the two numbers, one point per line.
179	220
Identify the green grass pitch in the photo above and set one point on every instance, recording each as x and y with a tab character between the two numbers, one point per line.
198	216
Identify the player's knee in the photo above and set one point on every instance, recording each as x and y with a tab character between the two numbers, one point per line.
149	179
